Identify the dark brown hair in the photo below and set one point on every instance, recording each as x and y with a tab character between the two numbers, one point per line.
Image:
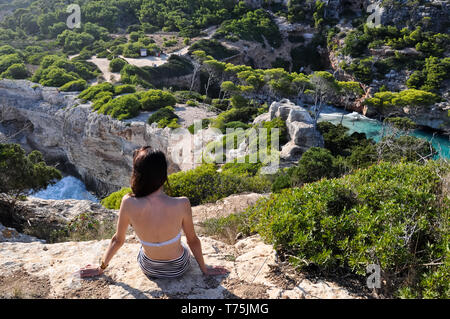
149	171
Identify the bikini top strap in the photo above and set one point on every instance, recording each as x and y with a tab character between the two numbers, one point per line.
171	241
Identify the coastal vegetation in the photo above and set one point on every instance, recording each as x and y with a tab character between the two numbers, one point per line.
351	203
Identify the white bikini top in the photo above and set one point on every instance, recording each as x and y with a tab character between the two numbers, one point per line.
168	242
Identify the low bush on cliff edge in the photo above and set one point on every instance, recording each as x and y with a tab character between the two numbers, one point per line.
113	201
121	108
85	227
202	185
393	215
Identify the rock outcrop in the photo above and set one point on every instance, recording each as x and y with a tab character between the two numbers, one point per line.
32	268
224	207
42	218
92	146
38	270
8	234
302	133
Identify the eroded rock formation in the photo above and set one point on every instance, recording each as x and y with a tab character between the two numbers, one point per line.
95	147
302	133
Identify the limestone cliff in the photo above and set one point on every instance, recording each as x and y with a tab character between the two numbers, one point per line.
95	147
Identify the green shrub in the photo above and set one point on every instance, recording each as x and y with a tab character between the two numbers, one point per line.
131	74
74	86
242	169
170	43
282	180
21	173
123	89
114	200
238	101
8	60
362	69
101	99
401	123
213	48
184	96
227	228
173	123
121	108
236	124
204	184
252	26
393	215
56	71
283	130
16	71
7	49
90	93
411	97
204	124
245	114
338	141
315	163
116	65
156	99
165	113
191	103
56	77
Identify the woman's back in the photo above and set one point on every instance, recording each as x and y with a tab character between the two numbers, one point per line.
158	218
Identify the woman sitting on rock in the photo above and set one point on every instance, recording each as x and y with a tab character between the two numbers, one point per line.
157	220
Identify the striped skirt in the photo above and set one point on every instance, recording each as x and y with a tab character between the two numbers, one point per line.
164	268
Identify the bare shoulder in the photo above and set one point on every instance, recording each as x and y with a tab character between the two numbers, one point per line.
128	201
182	202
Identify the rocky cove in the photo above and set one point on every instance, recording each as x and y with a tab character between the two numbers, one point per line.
88	145
98	149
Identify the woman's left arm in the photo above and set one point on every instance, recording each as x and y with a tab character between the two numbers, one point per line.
119	237
117	241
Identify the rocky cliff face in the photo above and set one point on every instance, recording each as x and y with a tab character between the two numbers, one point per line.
95	147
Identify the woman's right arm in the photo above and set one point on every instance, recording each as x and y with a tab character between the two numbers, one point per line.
191	237
194	242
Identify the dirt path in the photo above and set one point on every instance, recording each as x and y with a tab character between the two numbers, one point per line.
103	65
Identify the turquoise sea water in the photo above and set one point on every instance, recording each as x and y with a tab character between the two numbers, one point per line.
373	128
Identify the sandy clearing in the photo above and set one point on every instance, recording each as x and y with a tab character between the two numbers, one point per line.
103	65
147	61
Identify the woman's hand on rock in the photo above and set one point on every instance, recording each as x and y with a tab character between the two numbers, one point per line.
215	271
90	271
